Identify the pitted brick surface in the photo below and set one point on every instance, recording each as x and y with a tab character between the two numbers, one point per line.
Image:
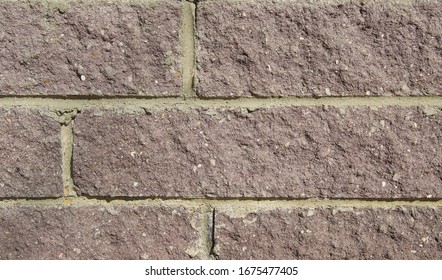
96	48
392	152
30	154
295	48
275	174
346	233
93	232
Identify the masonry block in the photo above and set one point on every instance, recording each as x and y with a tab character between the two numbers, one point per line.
333	233
90	48
292	152
30	154
95	232
319	48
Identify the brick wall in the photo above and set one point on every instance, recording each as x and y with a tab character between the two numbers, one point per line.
227	129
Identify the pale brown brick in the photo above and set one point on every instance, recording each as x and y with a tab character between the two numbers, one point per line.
346	233
393	152
30	154
319	48
94	48
93	232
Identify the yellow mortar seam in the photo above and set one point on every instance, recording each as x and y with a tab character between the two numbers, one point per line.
150	2
223	204
323	2
67	140
203	224
56	3
188	49
137	105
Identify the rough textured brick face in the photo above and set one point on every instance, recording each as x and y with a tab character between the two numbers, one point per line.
90	232
286	48
30	154
392	152
402	233
97	48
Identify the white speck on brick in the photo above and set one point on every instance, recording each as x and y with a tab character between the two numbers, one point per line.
382	122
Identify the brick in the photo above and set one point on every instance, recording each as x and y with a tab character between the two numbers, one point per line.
94	232
30	154
319	48
93	48
346	233
393	152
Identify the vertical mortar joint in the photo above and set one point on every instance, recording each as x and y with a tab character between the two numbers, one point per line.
67	140
188	49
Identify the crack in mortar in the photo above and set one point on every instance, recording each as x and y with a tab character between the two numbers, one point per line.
214	252
64	116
